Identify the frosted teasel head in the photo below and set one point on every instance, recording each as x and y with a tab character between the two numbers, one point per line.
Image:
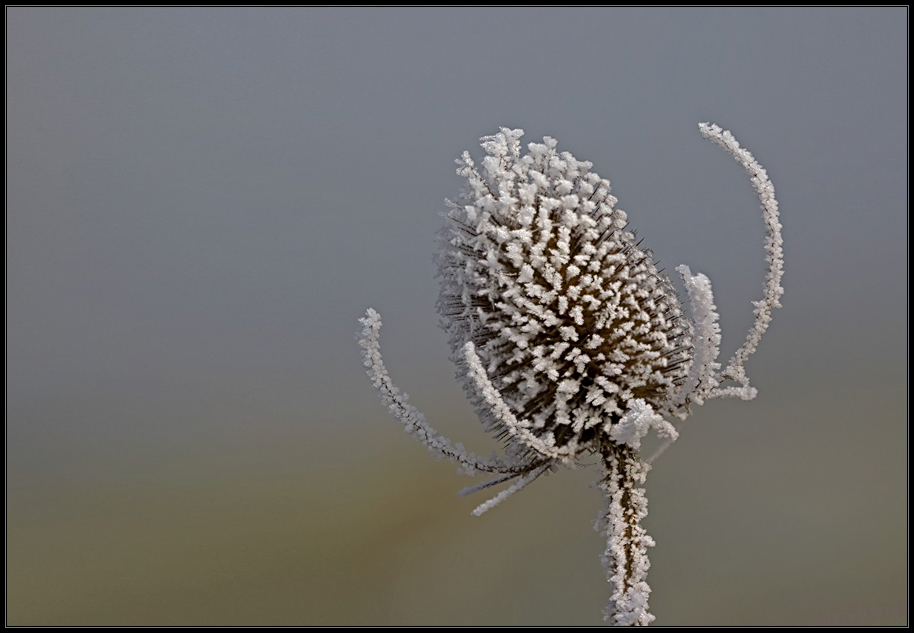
555	312
565	333
568	339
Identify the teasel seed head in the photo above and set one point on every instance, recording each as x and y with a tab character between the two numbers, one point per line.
567	314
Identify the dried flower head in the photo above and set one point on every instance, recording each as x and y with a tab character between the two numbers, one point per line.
543	286
568	339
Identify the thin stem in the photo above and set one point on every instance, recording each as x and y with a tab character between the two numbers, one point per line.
625	559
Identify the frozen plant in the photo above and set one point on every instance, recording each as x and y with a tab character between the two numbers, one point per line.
569	341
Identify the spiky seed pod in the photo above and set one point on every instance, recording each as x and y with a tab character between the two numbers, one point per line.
568	339
569	317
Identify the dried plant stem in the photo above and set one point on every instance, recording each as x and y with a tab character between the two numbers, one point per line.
625	559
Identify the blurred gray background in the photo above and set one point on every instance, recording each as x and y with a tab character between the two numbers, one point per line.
202	202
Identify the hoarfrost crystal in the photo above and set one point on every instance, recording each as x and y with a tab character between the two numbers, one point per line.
567	338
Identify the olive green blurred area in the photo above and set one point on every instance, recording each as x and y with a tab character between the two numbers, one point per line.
751	528
365	539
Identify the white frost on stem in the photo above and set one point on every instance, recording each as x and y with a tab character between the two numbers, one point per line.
625	559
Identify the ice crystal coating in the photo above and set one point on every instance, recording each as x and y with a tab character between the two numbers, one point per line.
568	339
625	558
570	320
